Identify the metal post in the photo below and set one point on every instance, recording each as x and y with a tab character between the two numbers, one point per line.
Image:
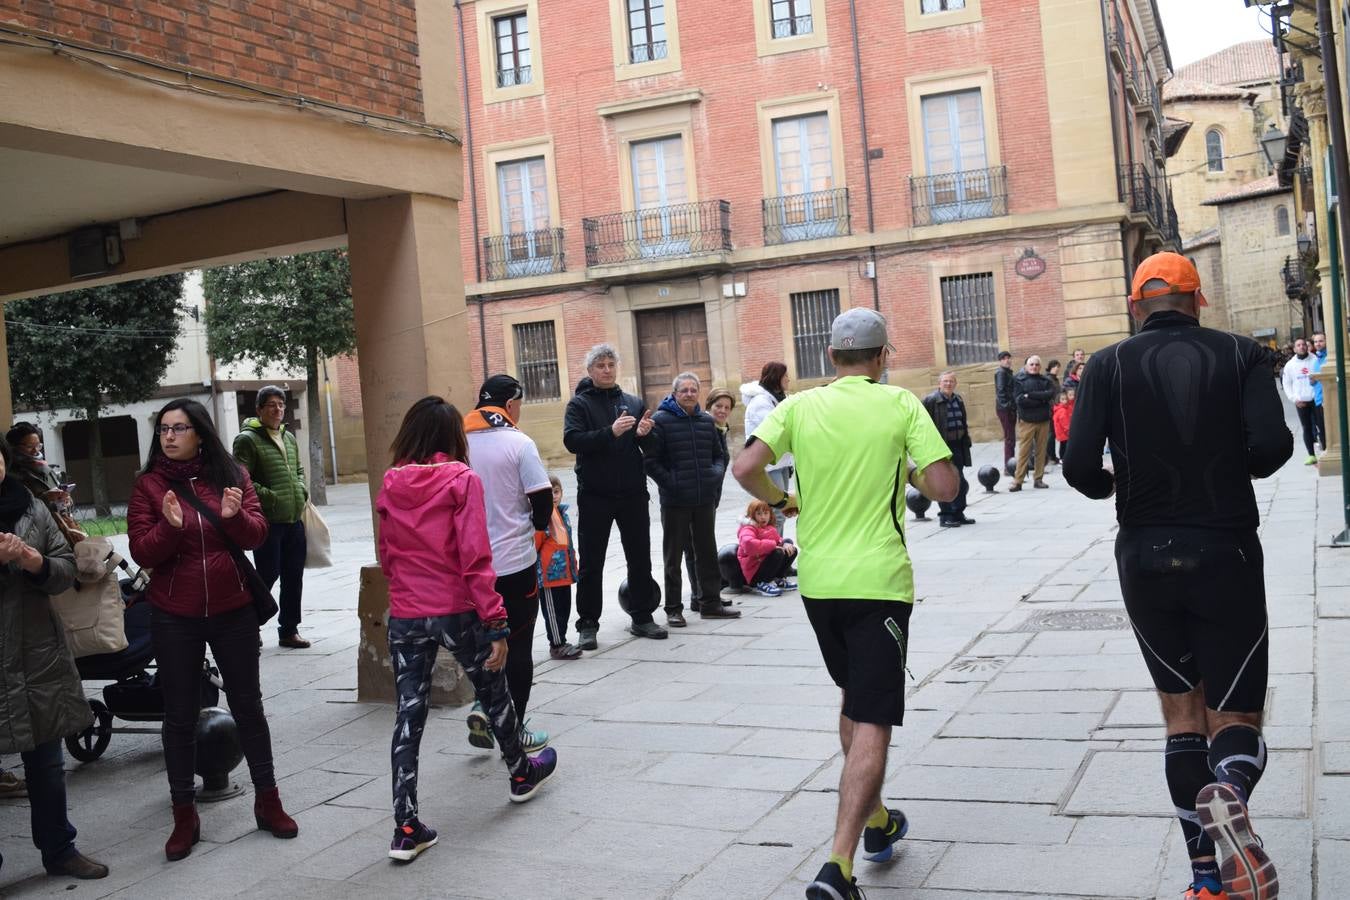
1339	168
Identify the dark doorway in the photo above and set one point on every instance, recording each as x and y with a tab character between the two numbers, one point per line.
121	457
671	341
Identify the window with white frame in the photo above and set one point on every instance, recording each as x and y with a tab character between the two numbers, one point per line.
959	183
807	206
791	18
1214	149
537	361
933	6
812	314
528	245
512	35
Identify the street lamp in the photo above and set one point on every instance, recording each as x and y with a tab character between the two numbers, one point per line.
1304	244
1273	143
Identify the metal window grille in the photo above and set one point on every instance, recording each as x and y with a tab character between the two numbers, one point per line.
812	314
513	49
969	318
791	18
537	361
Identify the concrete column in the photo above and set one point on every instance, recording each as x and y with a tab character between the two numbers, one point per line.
411	340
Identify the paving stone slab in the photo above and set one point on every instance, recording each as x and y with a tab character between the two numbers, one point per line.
1067	701
1128	783
998	785
1084	871
729	771
1000	753
1070	726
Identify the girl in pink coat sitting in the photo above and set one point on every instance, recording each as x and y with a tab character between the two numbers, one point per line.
763	554
435	553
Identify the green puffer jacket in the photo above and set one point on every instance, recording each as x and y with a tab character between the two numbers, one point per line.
41	699
279	481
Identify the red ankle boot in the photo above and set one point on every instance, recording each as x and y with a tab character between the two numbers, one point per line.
271	817
187	830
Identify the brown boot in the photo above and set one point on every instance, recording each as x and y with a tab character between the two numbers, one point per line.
187	830
271	817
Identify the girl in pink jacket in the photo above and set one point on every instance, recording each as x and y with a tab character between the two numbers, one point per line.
435	554
763	554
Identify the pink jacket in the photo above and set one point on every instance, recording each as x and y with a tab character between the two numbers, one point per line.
434	541
753	543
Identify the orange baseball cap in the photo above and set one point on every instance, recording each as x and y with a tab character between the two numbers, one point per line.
1173	268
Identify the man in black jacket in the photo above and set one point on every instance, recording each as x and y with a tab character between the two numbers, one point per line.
1004	403
1033	393
603	426
948	411
687	459
1192	416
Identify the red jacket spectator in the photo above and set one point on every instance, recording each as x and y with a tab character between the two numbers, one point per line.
194	573
1063	415
753	544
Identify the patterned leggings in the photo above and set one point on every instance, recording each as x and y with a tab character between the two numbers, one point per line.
413	644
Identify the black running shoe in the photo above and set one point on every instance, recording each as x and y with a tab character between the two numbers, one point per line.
878	843
830	884
410	840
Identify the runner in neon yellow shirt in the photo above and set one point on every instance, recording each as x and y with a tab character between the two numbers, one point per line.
857	444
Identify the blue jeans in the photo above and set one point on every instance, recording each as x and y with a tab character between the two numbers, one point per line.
282	556
44	770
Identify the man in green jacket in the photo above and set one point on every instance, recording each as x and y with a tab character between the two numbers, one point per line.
272	457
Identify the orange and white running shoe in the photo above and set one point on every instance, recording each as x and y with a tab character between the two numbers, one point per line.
1246	869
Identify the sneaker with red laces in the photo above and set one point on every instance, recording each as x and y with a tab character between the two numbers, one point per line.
1204	893
1246	869
410	839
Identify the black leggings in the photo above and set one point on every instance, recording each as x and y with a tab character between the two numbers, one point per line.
520	591
774	566
180	648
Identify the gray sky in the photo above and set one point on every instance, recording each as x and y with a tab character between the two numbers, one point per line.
1197	28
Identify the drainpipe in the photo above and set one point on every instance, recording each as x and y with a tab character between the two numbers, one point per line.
468	147
867	151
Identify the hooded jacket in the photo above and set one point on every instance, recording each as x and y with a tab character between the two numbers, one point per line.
278	478
1033	394
758	404
606	465
194	572
434	541
1063	416
753	544
685	456
42	699
1295	380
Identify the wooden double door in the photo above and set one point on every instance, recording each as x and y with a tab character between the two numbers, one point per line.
672	340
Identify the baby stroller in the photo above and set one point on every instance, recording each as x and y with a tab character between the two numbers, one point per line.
134	694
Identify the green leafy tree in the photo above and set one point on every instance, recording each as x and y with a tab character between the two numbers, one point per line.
91	349
292	311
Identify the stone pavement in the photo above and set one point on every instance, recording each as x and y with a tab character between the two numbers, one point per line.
706	765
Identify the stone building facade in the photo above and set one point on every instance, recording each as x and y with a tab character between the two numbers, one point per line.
693	182
1257	241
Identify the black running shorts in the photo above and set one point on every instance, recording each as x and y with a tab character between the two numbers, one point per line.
864	643
1197	601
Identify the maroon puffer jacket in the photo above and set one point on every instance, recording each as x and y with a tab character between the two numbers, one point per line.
194	573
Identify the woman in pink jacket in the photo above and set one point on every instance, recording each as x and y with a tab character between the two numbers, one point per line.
435	553
763	554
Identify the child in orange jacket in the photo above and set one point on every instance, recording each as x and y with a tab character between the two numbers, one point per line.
1062	416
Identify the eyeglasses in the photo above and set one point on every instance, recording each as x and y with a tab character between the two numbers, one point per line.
179	428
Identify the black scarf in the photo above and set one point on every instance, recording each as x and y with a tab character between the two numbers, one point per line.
14	500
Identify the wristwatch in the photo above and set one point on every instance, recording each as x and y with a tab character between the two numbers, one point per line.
781	503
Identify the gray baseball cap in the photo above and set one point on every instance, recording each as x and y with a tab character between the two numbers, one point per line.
859	329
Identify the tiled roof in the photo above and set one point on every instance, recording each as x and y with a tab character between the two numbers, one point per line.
1258	188
1186	89
1206	238
1251	62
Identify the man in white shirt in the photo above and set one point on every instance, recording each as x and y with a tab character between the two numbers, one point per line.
519	501
1298	387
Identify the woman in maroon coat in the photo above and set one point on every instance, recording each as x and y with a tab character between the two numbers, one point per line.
198	597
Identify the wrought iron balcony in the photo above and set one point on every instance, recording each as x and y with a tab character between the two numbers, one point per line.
659	232
956	196
1139	190
641	53
1115	39
1295	284
805	217
794	26
513	77
523	253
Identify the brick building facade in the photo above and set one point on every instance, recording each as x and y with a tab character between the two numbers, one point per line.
692	181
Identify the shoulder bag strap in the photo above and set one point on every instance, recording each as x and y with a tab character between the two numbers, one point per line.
185	491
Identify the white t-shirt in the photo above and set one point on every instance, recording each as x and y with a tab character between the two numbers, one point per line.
508	462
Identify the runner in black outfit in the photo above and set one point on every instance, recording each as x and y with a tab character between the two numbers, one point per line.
1192	415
